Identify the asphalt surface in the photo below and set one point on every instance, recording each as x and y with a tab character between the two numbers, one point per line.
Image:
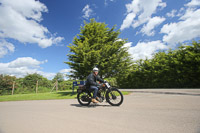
143	111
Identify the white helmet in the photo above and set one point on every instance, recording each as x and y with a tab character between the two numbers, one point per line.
95	69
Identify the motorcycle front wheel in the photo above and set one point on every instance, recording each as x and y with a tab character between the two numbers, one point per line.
84	98
114	97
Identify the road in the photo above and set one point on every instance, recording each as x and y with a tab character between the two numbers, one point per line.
143	111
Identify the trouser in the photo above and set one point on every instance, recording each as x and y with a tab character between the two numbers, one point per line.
95	91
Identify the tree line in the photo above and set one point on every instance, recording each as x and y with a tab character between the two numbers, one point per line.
179	68
29	83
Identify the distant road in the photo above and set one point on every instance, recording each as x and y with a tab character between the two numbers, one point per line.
143	111
195	92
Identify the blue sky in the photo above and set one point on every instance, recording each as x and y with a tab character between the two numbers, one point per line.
34	35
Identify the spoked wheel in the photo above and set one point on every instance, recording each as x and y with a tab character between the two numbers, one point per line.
84	98
114	97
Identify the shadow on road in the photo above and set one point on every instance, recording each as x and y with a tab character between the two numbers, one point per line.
90	106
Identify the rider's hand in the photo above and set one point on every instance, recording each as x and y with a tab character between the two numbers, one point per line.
98	85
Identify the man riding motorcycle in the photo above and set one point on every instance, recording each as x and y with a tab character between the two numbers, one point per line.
92	84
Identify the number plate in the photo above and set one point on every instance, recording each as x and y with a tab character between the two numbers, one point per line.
107	85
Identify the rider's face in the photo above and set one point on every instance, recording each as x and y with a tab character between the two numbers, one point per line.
95	72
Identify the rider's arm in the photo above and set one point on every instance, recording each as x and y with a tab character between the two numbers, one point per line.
99	79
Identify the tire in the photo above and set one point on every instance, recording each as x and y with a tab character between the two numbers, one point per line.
114	97
80	97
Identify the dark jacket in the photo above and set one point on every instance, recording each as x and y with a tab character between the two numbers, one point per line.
91	80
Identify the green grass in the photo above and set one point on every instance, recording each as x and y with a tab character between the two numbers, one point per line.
42	96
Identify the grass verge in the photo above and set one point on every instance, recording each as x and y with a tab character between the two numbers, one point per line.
42	96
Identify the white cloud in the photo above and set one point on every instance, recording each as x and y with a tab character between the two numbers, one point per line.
20	21
144	50
181	12
187	28
23	66
25	62
65	71
128	21
106	2
87	12
142	10
5	48
162	5
47	75
152	23
193	3
172	13
28	8
127	45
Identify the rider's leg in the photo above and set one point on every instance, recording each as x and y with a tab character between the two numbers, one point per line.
94	94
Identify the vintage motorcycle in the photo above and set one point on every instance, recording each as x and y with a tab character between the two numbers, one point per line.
112	95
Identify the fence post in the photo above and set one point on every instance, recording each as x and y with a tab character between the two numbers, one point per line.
36	89
53	87
13	87
56	85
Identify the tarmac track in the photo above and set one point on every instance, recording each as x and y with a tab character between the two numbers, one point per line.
143	111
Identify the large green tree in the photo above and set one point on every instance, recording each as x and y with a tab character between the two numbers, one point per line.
98	45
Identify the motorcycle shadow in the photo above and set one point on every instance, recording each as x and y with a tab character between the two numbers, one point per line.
90	106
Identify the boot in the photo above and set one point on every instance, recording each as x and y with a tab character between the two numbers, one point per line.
97	99
94	100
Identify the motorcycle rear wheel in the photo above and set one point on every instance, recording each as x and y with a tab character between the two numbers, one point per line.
84	98
114	97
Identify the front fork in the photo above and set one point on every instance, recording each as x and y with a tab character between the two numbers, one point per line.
109	91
